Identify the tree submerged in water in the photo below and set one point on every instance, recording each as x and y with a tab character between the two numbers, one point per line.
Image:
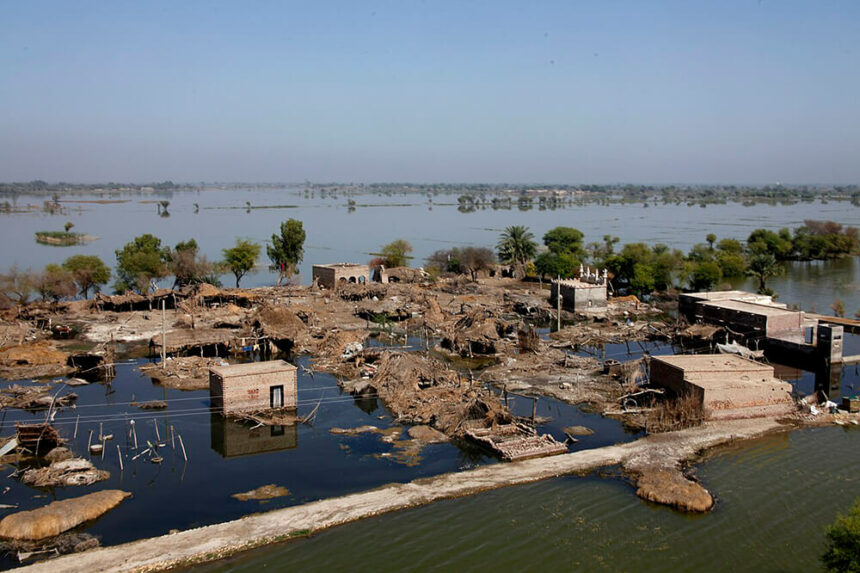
843	542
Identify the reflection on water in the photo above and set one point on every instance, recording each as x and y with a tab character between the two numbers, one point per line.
233	439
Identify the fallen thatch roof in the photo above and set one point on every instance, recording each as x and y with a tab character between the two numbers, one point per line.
60	516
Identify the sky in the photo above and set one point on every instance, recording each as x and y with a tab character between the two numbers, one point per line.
735	91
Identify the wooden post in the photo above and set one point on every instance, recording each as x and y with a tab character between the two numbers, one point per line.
134	434
184	455
155	423
76	426
506	395
89	440
534	409
119	455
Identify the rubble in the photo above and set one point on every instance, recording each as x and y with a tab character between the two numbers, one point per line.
35	360
264	492
68	472
185	373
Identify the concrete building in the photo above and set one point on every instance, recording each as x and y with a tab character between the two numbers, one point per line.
727	385
744	313
580	294
333	274
689	303
252	387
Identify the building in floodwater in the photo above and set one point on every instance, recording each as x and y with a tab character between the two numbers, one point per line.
253	387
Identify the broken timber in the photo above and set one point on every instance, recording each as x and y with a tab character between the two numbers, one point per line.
513	442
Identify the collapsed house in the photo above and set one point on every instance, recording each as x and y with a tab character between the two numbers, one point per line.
332	275
724	385
252	387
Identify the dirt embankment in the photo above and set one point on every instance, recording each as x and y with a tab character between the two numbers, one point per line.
218	541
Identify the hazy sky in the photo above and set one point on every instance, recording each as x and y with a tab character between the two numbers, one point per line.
600	91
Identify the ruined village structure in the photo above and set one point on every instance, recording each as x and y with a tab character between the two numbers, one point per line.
331	275
725	385
254	386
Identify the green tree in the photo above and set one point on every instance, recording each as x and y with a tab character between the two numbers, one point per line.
711	238
287	249
843	542
88	272
241	258
763	266
396	253
516	245
704	275
188	266
139	262
763	241
554	264
54	283
564	240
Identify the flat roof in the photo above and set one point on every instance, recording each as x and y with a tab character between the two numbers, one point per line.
252	368
750	307
713	363
340	265
576	283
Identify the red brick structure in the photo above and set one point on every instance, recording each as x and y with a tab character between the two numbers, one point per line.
252	387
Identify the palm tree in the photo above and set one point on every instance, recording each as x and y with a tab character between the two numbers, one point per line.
762	267
516	245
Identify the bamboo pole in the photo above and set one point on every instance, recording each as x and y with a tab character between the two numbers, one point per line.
184	455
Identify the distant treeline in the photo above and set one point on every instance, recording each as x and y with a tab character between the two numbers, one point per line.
39	187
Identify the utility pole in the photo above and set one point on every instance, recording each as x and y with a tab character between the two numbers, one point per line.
558	301
163	341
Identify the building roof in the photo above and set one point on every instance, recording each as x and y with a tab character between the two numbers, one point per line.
713	363
340	265
750	307
738	295
576	283
252	368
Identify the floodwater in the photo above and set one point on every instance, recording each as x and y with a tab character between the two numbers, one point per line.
775	496
338	233
225	458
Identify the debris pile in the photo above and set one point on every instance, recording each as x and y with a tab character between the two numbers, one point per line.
32	361
264	492
70	472
185	373
479	331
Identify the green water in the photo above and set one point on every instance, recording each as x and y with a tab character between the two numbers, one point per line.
774	495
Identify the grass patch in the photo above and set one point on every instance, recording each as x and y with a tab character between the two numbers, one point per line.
59	238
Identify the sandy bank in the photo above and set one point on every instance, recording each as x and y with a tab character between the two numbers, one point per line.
668	450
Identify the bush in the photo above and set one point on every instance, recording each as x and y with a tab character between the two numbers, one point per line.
843	542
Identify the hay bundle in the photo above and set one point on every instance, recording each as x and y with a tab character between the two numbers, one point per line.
60	516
